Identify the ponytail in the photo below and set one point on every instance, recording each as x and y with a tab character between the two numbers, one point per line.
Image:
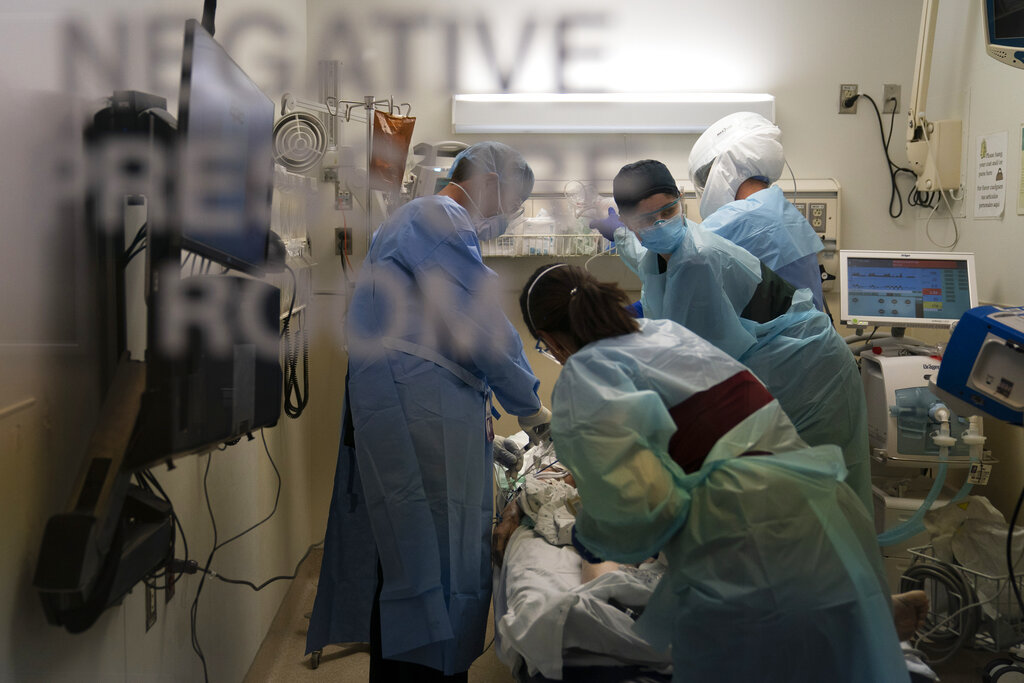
598	310
568	299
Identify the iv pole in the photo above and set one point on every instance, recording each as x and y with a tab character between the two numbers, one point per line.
332	108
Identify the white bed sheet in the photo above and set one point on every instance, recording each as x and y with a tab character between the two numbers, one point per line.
546	619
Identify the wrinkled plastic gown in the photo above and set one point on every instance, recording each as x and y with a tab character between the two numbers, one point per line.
798	355
774	571
768	226
771	581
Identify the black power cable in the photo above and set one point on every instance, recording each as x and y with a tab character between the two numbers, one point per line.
277	497
138	244
191	567
914	197
1009	551
295	398
193	613
147	480
196	646
209	15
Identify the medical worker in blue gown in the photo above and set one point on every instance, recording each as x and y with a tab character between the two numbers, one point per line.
732	299
773	570
733	166
406	562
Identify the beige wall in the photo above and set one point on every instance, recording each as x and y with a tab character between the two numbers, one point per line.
800	51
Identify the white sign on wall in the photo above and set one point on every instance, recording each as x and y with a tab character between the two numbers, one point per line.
1020	191
990	176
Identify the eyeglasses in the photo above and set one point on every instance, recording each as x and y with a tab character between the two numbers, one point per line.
646	220
543	349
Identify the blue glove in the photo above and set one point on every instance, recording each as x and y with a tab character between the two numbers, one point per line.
607	226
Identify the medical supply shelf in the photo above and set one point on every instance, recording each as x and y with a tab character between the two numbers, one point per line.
561	245
977	609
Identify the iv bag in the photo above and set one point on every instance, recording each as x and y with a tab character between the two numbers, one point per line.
391	137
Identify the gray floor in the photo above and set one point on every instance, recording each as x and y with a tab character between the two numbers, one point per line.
280	658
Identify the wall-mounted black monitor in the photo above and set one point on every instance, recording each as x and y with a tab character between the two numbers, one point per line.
212	357
1004	31
226	163
222	380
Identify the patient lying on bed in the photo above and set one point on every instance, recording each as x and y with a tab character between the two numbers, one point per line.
558	617
556	613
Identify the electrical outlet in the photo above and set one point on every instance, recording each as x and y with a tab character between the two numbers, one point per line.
846	91
342	198
817	216
890	98
343	240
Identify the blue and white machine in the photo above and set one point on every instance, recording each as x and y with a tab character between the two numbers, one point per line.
901	423
982	369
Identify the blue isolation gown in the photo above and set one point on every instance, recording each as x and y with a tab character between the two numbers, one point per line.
774	572
768	226
707	284
428	343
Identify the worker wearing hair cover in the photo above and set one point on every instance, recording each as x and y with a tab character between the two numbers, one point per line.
407	555
732	166
723	293
773	569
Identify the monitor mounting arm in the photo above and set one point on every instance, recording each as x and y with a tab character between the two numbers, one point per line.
933	147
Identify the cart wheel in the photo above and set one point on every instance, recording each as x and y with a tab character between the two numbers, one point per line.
1004	671
314	658
993	666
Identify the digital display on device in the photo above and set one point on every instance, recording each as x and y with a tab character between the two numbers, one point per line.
906	289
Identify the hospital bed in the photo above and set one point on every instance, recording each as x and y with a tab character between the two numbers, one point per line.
549	625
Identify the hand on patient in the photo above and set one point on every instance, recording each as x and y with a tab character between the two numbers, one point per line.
510	518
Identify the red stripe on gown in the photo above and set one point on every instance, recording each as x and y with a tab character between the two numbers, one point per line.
705	417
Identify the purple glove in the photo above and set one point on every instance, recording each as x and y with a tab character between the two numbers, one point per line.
607	226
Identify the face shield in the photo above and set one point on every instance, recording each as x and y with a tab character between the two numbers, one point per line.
738	147
515	183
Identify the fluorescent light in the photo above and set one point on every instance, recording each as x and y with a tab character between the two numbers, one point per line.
601	112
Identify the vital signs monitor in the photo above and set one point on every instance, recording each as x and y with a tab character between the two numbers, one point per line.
905	288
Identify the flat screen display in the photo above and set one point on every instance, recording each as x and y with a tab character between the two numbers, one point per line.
1007	19
906	289
226	163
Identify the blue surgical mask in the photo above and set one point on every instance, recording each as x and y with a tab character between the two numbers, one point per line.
664	236
491	228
